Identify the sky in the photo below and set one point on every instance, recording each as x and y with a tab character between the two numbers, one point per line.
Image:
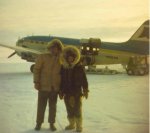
109	20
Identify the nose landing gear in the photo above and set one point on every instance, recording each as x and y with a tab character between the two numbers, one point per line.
32	67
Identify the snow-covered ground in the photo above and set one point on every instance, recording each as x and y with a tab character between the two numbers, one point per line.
116	103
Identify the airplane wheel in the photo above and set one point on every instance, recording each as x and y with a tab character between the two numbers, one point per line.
113	72
141	72
147	71
32	67
130	72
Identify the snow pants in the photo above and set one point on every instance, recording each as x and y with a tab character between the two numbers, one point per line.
43	98
73	106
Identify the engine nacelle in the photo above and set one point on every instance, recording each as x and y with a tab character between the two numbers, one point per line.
90	46
89	49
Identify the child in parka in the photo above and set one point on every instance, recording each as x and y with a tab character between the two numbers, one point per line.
73	86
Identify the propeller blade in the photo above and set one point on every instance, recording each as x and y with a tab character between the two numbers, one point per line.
12	54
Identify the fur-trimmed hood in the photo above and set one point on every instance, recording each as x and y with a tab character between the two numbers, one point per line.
72	50
55	43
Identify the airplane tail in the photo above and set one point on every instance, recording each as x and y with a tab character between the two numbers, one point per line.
139	41
142	34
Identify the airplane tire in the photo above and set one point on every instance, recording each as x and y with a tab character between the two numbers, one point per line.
130	72
32	67
146	70
141	72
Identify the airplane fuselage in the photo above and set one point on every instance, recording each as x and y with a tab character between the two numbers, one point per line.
39	43
94	52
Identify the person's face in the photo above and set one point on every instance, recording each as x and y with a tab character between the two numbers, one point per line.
54	51
70	59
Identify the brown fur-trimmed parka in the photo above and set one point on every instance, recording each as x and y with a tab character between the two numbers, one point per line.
73	77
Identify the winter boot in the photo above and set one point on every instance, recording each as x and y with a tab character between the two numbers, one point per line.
78	124
52	127
38	126
71	124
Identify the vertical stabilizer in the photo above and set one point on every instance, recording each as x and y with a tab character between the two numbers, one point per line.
142	34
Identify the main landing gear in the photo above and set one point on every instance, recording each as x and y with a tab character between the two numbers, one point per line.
138	66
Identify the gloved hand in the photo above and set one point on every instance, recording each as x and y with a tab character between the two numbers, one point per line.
37	86
85	93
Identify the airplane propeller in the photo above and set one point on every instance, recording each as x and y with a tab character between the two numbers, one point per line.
12	54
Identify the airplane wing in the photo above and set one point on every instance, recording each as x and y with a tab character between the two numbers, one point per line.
21	49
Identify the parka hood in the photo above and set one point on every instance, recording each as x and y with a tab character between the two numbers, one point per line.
55	43
73	51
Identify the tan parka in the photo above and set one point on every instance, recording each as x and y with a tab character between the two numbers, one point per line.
47	70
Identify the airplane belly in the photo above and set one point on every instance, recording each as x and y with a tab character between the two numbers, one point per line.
103	60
